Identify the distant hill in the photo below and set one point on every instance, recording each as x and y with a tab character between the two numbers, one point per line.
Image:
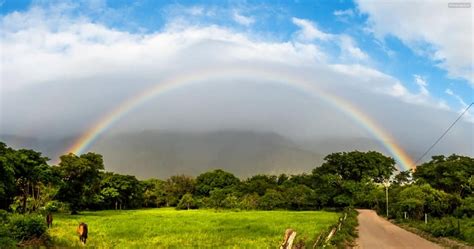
50	147
161	154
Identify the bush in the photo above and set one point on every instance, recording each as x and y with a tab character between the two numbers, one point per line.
444	227
27	227
6	241
186	202
3	216
53	206
345	237
466	208
249	201
270	200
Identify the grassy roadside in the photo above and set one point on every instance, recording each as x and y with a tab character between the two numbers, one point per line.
419	228
345	232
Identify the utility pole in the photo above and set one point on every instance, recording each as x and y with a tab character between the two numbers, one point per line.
386	183
386	198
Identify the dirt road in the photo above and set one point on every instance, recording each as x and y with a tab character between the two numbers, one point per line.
376	232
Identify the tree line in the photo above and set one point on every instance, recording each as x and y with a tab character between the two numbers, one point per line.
440	187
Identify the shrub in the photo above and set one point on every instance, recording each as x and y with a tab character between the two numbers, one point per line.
6	241
270	200
52	206
345	237
249	201
186	202
444	227
231	202
3	216
27	227
466	208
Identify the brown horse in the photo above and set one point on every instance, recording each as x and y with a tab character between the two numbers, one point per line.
82	231
49	220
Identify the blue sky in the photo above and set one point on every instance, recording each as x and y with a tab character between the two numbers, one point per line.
407	65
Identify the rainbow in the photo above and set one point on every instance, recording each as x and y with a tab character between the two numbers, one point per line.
404	161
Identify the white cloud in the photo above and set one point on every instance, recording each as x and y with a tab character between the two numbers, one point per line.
457	97
430	28
341	13
241	19
309	31
350	49
467	115
422	84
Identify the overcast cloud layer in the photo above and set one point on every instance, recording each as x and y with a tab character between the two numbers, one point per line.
61	73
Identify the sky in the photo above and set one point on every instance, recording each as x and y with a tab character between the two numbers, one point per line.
406	64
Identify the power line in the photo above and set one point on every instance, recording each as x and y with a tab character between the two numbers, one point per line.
445	132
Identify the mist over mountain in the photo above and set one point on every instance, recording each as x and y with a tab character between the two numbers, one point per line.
162	153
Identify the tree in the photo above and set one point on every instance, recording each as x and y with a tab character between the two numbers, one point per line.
121	191
217	198
259	184
249	201
30	170
402	178
451	174
7	176
80	179
270	200
358	166
154	194
186	202
419	199
211	180
177	186
299	197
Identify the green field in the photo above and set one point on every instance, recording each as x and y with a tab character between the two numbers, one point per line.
166	227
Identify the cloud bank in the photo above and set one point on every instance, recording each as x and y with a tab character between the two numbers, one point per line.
61	73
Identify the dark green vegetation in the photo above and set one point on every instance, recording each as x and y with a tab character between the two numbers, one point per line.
441	188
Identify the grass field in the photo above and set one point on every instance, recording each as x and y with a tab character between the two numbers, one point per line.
166	227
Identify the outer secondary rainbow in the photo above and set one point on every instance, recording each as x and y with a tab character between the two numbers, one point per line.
90	136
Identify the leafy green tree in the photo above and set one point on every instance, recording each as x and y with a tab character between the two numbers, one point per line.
7	176
80	179
299	197
402	178
358	166
211	180
466	208
186	202
154	193
30	170
270	200
249	201
326	187
420	199
451	174
231	201
217	197
123	191
259	184
282	178
177	186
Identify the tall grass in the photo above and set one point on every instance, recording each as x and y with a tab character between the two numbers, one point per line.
165	227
